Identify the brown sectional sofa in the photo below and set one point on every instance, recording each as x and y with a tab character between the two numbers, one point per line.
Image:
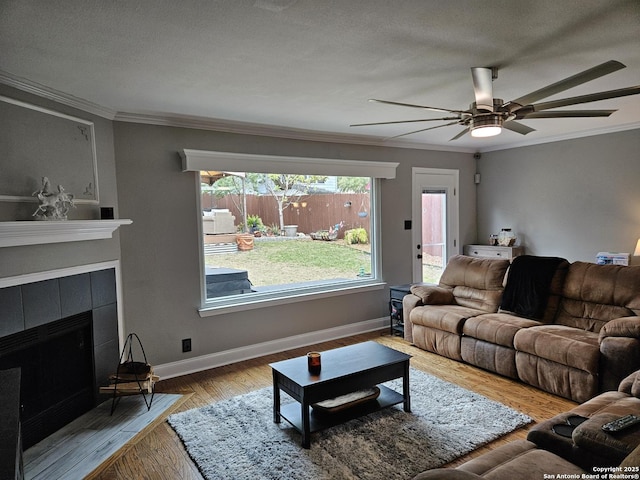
584	450
569	329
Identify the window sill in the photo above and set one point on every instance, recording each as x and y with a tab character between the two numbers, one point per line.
250	304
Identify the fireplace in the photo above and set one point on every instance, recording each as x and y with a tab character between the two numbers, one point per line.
57	375
63	333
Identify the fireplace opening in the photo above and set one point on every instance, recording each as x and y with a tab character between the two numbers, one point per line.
57	374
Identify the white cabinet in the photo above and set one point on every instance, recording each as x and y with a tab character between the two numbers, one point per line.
488	251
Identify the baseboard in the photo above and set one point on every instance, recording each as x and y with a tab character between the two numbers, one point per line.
218	359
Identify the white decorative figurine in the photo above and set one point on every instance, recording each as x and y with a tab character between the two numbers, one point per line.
53	205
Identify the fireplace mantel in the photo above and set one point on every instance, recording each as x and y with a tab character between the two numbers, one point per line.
13	234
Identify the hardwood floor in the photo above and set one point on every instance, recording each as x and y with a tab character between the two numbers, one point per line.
160	454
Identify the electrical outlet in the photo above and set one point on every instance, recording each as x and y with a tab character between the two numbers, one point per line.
186	345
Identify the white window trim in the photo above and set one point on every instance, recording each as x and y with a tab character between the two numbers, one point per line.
239	305
197	160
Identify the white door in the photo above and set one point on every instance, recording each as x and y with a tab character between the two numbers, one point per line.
434	221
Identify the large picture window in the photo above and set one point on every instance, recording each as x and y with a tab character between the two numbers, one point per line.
282	231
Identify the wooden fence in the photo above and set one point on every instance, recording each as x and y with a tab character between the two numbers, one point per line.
432	220
310	213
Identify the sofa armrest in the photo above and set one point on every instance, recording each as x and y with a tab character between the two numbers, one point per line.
621	327
631	384
424	294
409	302
446	474
619	357
619	346
433	294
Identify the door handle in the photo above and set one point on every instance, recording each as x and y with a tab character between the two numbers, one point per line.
418	256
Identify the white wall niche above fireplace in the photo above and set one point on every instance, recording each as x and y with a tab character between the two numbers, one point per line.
13	234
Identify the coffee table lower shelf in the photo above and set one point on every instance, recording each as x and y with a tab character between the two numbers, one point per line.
318	420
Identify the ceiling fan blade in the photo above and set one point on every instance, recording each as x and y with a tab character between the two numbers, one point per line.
518	127
570	82
403	121
568	114
460	135
422	130
592	97
483	88
399	104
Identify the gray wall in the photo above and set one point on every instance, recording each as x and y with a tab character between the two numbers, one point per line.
571	199
160	249
29	259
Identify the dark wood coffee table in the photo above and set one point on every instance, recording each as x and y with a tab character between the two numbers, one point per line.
344	370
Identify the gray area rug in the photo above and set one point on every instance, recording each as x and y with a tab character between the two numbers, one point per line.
237	439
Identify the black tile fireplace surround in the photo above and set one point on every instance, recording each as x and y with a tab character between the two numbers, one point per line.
64	331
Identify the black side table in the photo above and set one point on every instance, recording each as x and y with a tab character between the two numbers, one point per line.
396	294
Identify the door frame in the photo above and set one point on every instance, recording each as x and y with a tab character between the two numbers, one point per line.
450	180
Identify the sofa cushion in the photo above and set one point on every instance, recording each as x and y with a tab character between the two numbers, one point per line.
446	474
437	341
479	273
498	328
475	282
500	456
564	345
433	295
449	318
518	459
569	382
489	356
594	294
534	464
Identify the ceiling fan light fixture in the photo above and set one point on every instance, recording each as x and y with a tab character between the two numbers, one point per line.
486	126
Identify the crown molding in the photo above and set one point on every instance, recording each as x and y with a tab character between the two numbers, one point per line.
51	94
246	128
568	136
204	123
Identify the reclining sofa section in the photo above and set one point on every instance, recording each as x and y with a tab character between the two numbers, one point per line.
581	451
576	334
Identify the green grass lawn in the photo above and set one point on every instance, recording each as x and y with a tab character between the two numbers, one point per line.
293	261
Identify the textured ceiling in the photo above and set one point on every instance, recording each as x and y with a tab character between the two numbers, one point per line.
307	67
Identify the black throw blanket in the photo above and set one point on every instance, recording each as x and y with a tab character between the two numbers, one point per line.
528	285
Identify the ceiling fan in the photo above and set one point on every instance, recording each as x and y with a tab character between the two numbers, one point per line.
487	116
